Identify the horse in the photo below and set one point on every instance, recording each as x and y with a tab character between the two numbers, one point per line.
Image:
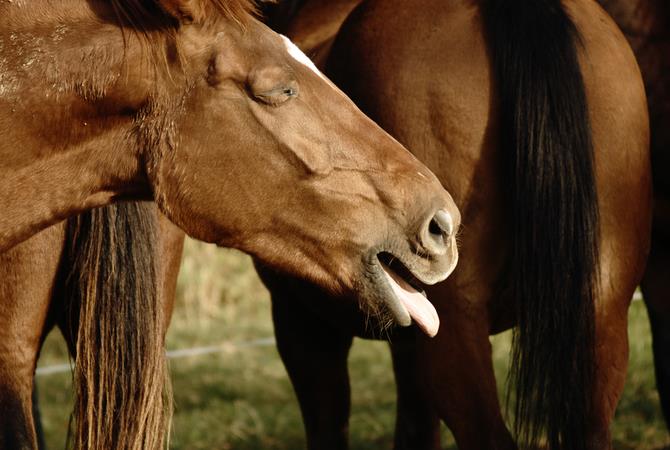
312	24
646	25
235	136
546	151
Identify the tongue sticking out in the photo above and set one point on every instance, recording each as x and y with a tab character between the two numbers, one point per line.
419	308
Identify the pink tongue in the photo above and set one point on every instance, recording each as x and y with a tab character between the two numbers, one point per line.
419	308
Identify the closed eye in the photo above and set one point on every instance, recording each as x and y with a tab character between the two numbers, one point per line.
276	96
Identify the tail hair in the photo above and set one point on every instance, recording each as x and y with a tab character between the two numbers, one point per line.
122	396
545	132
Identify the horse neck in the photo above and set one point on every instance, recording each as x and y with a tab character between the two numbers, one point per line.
67	103
317	22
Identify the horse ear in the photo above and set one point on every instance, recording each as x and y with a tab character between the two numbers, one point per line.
185	11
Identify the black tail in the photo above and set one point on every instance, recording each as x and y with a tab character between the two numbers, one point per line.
554	256
117	319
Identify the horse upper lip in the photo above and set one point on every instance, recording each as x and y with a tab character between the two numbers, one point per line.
402	269
409	270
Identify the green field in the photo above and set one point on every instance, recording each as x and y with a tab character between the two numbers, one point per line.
240	398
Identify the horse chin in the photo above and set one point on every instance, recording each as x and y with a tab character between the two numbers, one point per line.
398	293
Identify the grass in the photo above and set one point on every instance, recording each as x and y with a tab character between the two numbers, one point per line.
242	399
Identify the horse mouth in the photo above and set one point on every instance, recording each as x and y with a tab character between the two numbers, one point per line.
407	300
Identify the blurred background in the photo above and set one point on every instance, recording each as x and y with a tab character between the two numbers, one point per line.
232	392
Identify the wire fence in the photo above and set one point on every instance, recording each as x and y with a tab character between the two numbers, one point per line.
199	351
175	354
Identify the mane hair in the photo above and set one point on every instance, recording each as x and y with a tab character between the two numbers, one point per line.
238	10
148	21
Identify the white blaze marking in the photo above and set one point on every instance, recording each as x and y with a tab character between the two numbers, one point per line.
299	56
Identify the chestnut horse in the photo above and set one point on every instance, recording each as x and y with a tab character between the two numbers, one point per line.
646	24
516	108
238	139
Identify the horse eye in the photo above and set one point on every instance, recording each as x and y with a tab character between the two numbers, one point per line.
276	96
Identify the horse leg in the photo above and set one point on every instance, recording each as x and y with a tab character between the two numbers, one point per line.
619	279
171	242
37	419
315	357
611	366
314	353
417	423
28	273
459	374
656	290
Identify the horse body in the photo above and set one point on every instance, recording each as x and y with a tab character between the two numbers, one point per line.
201	108
425	74
646	24
313	24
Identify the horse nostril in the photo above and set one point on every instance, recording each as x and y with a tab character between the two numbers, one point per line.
435	236
442	224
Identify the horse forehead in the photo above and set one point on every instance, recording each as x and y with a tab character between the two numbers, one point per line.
299	56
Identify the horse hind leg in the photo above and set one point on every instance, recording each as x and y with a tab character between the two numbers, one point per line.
656	291
17	430
611	350
611	366
37	419
660	329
